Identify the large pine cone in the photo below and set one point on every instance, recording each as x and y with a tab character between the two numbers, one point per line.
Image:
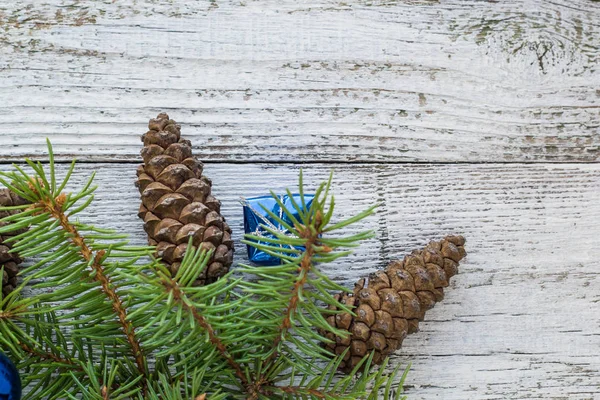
9	261
177	201
393	301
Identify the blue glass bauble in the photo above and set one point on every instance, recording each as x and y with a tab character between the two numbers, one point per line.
10	383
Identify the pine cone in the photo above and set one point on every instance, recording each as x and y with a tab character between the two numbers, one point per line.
393	301
177	201
9	261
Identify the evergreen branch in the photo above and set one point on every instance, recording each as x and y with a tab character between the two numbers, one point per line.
311	237
179	297
300	311
231	339
54	207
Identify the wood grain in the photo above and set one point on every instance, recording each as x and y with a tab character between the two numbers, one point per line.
520	320
373	81
390	93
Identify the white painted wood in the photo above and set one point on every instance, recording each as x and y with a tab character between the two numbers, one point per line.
520	320
291	80
360	81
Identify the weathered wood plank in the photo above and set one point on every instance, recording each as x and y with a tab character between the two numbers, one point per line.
299	81
521	320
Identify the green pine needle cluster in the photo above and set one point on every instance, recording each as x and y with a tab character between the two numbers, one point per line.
107	321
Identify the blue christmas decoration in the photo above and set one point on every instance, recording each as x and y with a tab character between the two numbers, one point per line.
10	382
255	216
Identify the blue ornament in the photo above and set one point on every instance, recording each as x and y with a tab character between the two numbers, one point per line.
10	382
255	216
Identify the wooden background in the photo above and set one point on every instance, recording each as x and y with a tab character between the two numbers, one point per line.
479	118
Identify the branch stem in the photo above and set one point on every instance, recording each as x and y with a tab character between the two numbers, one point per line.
286	324
46	356
54	208
178	295
306	263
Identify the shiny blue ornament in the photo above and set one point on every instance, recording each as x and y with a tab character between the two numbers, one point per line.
10	382
255	216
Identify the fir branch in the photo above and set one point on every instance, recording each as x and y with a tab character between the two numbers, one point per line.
311	237
178	295
47	203
54	207
231	339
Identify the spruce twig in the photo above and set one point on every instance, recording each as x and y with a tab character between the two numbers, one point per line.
54	206
311	238
46	355
179	297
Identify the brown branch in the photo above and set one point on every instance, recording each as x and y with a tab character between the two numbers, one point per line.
104	393
212	334
47	356
312	238
12	313
54	208
7	314
34	352
305	266
286	324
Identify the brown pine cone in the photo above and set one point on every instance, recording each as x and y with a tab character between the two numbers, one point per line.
390	304
177	202
9	261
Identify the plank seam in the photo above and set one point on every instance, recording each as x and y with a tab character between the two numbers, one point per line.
314	162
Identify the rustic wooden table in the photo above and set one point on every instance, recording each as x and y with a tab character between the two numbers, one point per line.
472	117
